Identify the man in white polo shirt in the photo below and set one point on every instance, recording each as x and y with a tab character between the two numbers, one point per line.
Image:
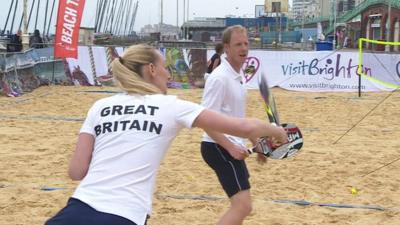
224	92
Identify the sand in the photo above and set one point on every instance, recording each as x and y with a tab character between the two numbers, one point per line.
38	132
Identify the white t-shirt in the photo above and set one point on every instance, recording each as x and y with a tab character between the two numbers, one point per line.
224	92
132	134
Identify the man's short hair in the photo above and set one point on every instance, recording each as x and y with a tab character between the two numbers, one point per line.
227	34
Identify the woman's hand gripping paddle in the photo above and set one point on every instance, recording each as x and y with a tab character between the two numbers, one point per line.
288	149
265	145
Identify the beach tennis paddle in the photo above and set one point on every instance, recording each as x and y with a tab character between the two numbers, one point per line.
269	100
266	146
288	149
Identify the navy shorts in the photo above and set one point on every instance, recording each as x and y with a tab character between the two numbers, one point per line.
79	213
232	173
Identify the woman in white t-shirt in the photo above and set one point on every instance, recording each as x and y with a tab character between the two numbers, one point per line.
125	136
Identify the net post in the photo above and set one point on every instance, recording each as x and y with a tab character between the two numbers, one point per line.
359	69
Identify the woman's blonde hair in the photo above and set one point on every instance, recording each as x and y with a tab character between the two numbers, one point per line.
128	73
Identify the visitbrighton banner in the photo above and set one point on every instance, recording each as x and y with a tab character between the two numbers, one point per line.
320	71
67	31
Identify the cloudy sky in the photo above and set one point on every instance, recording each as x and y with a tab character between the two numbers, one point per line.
149	11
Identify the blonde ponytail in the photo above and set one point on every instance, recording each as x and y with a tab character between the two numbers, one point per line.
127	70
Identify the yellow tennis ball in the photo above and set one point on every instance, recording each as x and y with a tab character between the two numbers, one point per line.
354	190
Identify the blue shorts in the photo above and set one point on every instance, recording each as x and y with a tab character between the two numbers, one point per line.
232	173
79	213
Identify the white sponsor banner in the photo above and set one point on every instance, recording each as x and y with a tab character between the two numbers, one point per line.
120	50
320	71
81	66
100	61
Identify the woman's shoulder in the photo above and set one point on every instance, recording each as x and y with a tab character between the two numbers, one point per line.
163	98
169	101
123	98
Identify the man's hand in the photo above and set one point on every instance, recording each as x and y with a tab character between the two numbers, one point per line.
238	152
261	158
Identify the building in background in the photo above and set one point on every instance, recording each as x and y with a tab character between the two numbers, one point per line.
345	5
166	32
321	8
259	11
325	7
305	9
273	7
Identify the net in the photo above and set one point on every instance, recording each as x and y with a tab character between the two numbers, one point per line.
379	62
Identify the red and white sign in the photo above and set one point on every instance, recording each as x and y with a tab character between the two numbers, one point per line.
67	29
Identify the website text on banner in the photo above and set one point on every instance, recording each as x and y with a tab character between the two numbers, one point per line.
68	23
319	71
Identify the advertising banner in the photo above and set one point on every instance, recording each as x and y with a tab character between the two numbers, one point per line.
67	29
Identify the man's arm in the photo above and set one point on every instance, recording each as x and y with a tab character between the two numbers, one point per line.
236	151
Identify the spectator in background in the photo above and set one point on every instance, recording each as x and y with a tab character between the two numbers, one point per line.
216	58
15	44
36	41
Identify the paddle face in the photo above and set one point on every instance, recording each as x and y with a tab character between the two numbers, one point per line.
295	138
289	149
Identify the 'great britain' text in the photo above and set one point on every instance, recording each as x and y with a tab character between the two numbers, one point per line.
123	125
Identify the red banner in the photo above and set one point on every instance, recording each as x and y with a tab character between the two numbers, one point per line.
67	28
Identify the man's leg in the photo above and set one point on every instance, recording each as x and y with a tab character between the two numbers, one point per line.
234	178
239	210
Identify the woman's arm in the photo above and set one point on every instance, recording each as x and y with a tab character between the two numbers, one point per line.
242	127
80	160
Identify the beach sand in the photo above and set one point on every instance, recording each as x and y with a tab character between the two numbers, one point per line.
38	132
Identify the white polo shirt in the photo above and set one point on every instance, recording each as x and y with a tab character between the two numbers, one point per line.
132	134
224	92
